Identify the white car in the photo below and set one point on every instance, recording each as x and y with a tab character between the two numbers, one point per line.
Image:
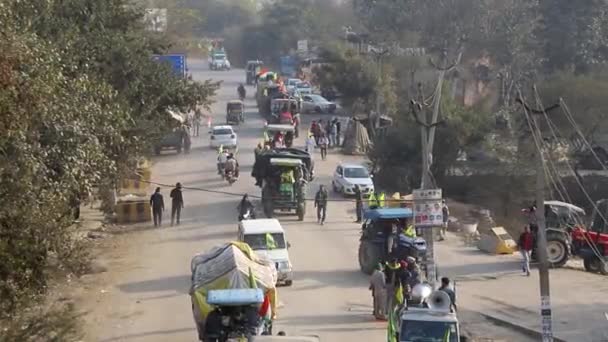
347	176
313	103
267	239
219	62
222	136
291	84
304	88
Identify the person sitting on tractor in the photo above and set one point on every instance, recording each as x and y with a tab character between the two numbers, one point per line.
287	181
285	117
279	140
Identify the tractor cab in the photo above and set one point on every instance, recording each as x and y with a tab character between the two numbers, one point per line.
592	244
383	237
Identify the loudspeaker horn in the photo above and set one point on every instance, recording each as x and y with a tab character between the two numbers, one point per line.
439	300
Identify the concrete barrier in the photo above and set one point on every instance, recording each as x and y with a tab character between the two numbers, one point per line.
133	210
498	241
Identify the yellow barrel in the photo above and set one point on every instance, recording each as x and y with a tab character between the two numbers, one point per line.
133	210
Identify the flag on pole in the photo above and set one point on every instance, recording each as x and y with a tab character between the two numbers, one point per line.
392	327
399	295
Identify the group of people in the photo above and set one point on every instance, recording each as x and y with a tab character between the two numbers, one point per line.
157	203
391	284
323	135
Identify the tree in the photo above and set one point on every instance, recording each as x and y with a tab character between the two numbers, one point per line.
80	101
574	34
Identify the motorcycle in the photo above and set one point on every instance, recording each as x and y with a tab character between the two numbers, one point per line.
248	215
230	177
242	94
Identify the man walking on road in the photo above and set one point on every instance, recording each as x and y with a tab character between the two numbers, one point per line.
158	206
323	143
446	216
177	203
526	243
358	203
377	284
321	204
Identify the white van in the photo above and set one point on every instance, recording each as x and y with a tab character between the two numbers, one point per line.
267	239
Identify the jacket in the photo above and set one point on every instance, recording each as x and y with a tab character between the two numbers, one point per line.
526	241
176	196
157	202
321	198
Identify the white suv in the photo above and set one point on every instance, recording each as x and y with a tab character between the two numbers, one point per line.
347	176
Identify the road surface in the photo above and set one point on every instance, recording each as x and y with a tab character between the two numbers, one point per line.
144	294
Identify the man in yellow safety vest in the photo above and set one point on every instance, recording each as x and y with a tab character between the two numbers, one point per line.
373	201
381	200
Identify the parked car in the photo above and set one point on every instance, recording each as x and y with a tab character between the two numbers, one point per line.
313	103
304	88
291	84
223	136
347	176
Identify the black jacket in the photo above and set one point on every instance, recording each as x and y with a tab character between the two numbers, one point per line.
176	197
157	202
321	198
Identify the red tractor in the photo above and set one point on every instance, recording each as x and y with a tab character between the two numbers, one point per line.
592	244
567	235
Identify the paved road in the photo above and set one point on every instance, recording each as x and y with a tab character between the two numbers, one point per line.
144	295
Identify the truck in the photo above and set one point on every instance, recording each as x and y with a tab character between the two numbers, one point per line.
177	62
233	293
282	173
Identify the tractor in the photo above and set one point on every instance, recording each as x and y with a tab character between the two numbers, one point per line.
382	238
567	235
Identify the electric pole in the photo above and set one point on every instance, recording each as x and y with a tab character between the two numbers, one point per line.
541	250
427	133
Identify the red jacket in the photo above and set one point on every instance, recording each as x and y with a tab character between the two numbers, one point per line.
526	241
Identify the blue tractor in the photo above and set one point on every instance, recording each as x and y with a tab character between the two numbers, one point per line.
382	238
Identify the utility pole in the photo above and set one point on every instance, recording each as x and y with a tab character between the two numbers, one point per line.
379	56
541	250
427	134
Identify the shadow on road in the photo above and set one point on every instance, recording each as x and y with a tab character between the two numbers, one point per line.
335	278
327	320
179	284
474	269
221	235
147	334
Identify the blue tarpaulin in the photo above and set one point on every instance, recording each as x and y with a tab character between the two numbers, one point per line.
177	62
388	213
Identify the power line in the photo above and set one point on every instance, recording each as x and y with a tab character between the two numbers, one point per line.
234	194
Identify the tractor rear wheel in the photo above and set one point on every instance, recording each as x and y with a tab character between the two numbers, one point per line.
301	211
369	256
557	249
594	265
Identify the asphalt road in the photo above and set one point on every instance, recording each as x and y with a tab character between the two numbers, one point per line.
144	296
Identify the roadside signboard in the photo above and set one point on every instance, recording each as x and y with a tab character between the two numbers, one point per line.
428	211
177	62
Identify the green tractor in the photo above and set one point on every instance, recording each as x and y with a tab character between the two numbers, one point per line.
282	174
